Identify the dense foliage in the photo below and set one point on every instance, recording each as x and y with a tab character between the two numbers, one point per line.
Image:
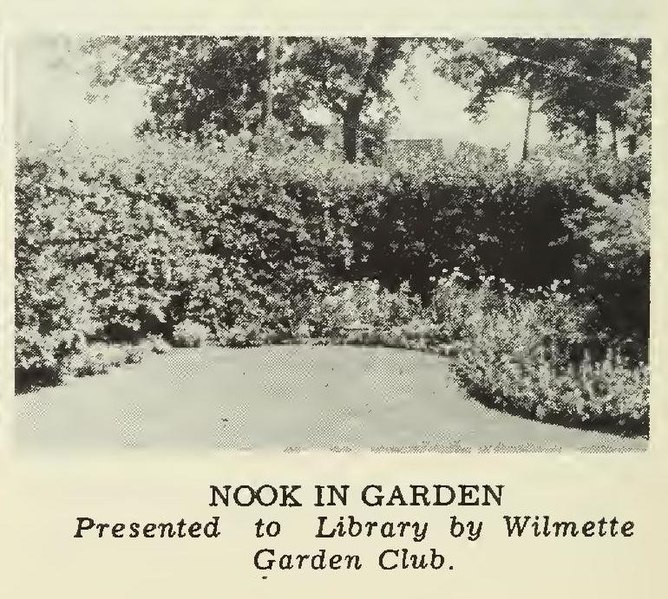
583	86
212	86
238	246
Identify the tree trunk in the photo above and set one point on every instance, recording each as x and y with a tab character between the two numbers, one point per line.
640	53
385	53
527	128
633	143
615	150
351	122
592	135
268	106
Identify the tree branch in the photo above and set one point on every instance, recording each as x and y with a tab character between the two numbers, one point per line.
332	100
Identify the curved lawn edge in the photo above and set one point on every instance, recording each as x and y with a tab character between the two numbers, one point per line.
286	398
496	401
490	398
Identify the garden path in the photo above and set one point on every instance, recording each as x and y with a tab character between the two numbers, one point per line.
297	397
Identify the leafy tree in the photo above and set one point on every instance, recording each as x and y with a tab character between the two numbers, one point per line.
202	85
576	83
637	104
348	74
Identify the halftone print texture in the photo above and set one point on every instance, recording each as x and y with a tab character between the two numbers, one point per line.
350	244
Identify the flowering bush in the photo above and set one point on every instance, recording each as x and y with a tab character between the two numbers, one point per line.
531	356
362	303
616	401
613	267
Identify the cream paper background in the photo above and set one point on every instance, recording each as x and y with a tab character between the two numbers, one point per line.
41	496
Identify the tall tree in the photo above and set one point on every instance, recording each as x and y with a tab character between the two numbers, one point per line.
205	85
347	74
576	83
527	127
485	70
635	109
200	84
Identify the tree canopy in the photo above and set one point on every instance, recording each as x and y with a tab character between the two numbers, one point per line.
576	83
206	86
201	85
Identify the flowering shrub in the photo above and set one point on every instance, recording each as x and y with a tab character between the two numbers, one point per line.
616	401
613	268
362	303
531	356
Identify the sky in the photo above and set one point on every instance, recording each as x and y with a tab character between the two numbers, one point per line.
434	107
52	83
54	104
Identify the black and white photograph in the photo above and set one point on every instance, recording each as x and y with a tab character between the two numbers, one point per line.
364	244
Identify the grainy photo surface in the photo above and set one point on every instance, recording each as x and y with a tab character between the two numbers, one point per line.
300	243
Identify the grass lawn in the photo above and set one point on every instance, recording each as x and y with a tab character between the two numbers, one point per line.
297	397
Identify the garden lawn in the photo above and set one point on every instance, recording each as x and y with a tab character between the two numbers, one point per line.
283	397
